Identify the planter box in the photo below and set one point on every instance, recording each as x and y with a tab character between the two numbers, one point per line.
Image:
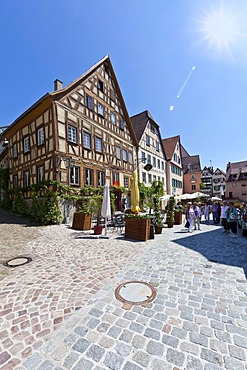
178	218
137	228
158	229
82	221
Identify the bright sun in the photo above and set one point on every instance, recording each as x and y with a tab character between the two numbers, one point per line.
222	29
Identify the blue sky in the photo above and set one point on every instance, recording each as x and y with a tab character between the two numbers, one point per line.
153	46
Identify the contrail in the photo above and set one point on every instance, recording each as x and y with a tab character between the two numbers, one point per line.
185	82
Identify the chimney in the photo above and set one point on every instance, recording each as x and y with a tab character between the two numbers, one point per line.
58	85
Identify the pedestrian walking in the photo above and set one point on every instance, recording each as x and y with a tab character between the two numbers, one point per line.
197	216
206	212
223	216
215	212
232	219
190	216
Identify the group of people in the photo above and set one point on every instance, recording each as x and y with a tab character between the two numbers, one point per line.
227	214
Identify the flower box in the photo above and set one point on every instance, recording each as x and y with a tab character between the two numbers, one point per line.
137	228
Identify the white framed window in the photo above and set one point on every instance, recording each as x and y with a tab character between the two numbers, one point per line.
86	140
26	179
40	173
150	178
15	181
89	102
74	175
40	136
26	144
15	151
88	177
130	158
144	177
113	118
125	155
98	144
143	157
126	182
118	152
157	146
154	162
158	162
192	176
72	134
115	178
100	178
162	166
149	159
100	109
148	140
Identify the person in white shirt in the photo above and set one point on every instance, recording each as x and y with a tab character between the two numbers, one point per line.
223	216
190	216
197	216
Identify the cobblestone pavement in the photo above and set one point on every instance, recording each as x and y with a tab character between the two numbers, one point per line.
66	271
198	319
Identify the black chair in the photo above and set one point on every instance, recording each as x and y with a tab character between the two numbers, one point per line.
118	223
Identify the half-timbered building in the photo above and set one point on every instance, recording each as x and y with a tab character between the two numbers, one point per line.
80	134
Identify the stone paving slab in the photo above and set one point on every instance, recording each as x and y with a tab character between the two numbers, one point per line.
198	319
67	269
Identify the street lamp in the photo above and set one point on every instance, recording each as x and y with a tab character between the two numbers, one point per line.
147	166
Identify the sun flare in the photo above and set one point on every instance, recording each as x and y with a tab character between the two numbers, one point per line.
222	29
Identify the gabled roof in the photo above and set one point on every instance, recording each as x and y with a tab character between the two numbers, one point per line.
140	121
169	146
208	169
106	60
63	92
219	170
236	168
191	163
184	152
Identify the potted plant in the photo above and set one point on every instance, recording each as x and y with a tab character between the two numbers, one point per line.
170	212
178	214
95	206
82	219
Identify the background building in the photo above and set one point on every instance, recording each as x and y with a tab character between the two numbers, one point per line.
236	181
150	149
174	171
191	174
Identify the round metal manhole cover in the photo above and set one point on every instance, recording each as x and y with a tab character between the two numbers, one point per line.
17	261
135	292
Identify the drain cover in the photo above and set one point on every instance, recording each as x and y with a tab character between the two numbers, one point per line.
135	292
17	261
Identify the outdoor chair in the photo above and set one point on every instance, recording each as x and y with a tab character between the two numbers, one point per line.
118	223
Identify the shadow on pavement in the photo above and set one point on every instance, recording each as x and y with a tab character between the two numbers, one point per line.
217	247
8	217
